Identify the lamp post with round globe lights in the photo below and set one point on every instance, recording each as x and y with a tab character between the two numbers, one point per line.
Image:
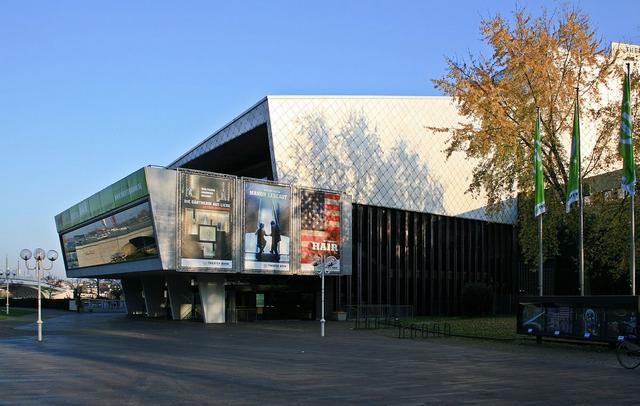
39	256
7	275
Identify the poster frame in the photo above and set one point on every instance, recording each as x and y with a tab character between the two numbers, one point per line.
293	231
577	304
299	190
232	226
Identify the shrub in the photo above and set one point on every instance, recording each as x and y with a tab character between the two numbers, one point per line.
477	300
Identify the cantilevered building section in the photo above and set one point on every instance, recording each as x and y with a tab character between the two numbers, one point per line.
366	174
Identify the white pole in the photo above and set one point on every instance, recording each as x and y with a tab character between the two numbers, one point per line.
633	247
38	268
581	243
322	321
541	260
581	203
6	275
633	226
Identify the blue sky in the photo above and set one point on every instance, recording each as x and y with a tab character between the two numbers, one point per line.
91	91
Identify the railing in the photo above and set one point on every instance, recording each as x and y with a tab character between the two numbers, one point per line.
240	313
413	330
380	312
103	306
30	282
423	330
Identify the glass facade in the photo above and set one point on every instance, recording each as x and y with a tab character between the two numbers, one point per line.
124	236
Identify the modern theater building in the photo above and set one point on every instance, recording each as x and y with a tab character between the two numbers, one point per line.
232	228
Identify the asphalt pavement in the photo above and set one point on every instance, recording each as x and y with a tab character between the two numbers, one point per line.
106	359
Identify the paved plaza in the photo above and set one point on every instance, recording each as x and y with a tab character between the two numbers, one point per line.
110	359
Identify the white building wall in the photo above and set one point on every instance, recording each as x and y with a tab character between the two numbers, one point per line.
381	150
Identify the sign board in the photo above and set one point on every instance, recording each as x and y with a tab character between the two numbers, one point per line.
595	318
205	222
267	227
331	265
626	51
320	227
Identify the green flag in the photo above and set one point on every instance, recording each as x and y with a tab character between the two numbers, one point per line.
626	141
573	187
537	168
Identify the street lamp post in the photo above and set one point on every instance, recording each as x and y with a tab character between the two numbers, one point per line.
324	266
39	256
7	274
322	320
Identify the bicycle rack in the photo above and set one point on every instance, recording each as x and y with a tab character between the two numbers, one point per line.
413	330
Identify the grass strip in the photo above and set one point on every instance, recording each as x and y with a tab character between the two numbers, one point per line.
14	313
495	327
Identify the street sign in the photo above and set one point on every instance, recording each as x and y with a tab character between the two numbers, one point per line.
325	266
331	265
328	265
317	261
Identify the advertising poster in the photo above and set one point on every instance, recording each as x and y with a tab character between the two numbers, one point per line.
319	228
205	207
532	319
560	321
267	227
590	322
620	322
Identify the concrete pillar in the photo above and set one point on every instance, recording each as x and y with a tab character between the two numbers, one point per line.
132	291
153	287
212	297
180	296
231	315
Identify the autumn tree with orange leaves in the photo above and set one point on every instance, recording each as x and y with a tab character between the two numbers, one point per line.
536	62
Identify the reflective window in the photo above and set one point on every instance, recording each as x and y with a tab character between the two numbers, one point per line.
124	236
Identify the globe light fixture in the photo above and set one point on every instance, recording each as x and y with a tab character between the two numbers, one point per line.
25	254
39	256
52	255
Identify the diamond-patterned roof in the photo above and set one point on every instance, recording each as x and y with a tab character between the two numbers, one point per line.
378	149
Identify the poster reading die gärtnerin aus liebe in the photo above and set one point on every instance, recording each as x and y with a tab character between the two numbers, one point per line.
205	207
267	227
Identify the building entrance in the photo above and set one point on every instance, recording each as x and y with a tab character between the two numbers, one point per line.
272	298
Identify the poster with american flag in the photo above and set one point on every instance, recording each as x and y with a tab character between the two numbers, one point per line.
319	227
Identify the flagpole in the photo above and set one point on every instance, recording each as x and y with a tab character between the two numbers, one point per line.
633	221
581	203
541	259
633	247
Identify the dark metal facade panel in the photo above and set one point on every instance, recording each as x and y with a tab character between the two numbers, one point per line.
425	260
